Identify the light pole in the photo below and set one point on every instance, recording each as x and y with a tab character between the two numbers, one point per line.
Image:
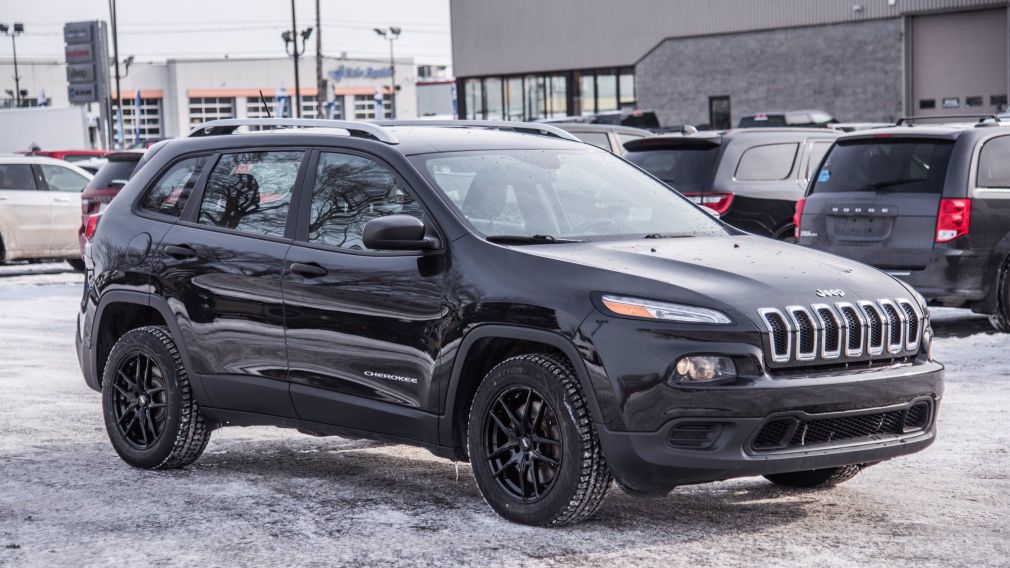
391	33
18	30
291	47
120	135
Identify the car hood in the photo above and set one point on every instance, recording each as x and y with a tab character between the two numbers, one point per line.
742	272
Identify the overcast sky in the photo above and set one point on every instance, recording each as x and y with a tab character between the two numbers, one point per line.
157	30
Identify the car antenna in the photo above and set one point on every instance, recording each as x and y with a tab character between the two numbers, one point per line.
265	105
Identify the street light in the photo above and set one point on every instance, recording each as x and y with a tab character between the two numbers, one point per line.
391	34
18	30
291	47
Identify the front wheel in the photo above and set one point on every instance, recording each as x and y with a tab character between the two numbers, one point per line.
1000	319
151	415
826	477
532	445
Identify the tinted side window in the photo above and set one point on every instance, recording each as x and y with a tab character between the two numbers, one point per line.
767	163
994	163
817	151
250	192
598	139
170	194
17	176
63	179
349	192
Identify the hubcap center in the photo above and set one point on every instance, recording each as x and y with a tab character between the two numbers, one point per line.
526	444
143	399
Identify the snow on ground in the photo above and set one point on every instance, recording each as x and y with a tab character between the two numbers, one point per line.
264	496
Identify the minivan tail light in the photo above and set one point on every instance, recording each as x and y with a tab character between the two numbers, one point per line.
953	220
798	216
91	226
718	202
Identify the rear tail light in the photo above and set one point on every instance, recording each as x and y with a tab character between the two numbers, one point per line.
798	216
718	202
953	220
91	226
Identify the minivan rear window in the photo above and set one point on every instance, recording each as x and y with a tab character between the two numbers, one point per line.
885	165
689	169
114	171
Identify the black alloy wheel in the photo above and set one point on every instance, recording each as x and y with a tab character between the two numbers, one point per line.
139	401
524	439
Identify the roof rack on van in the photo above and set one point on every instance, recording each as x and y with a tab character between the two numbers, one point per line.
354	128
525	127
982	118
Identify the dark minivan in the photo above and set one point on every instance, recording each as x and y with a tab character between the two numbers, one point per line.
928	204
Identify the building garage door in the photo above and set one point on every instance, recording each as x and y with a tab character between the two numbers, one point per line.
958	63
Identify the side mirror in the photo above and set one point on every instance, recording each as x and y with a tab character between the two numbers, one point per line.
396	232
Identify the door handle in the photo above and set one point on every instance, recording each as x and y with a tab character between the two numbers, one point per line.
180	251
310	270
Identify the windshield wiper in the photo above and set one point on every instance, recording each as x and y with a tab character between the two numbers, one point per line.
889	183
528	239
667	236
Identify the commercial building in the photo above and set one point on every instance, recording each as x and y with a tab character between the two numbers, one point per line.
176	95
712	61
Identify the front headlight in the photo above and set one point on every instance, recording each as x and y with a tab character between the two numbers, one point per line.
651	309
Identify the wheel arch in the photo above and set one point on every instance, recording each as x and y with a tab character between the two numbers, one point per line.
118	312
999	260
484	347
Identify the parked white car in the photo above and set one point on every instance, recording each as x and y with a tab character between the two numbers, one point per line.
40	209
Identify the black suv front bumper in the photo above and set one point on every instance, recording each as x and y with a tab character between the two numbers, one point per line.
724	445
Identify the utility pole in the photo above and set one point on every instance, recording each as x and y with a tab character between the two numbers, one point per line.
18	30
115	56
392	33
321	95
290	38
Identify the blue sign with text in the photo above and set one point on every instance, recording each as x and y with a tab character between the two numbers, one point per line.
345	72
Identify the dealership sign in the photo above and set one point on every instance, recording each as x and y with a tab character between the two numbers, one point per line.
346	72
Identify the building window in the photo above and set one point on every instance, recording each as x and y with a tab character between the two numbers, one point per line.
334	108
145	119
557	98
364	107
587	93
309	108
514	98
998	101
926	104
971	102
719	113
626	89
474	99
202	109
536	99
493	98
606	92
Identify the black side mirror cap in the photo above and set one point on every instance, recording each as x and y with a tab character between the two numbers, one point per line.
396	232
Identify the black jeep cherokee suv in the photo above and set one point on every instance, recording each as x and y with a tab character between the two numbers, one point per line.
499	293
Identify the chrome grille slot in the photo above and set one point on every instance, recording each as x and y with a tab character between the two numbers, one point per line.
779	333
881	329
875	328
896	322
914	327
832	331
855	329
806	333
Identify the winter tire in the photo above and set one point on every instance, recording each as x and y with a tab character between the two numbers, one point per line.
826	477
532	443
1001	318
151	416
76	263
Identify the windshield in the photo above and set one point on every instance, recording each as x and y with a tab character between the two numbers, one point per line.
566	195
885	165
688	169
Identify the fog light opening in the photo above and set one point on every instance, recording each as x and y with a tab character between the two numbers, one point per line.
704	369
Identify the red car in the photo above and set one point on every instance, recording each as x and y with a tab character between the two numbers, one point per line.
69	155
105	185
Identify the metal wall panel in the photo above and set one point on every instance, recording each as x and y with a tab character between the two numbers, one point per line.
517	36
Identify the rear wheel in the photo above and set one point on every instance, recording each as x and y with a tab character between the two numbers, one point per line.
1000	319
532	444
826	477
151	416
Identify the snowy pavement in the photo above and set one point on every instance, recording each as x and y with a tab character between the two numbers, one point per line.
266	497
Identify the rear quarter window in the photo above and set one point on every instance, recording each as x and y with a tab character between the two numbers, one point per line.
770	162
994	163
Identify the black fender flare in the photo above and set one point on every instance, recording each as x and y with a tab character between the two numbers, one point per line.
162	307
505	331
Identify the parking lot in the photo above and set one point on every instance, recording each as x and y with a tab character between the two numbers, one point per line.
263	496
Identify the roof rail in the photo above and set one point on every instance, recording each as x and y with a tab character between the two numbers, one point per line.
354	128
525	127
981	118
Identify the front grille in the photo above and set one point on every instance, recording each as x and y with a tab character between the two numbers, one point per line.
791	432
863	329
